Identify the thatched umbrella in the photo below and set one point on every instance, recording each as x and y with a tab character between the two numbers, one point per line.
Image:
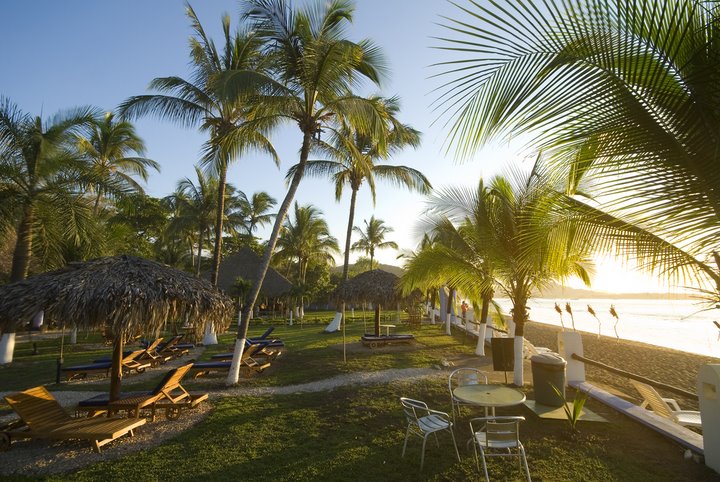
377	287
244	264
129	295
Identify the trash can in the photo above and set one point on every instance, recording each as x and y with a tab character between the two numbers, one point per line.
548	369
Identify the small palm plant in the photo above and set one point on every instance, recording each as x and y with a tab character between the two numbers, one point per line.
572	410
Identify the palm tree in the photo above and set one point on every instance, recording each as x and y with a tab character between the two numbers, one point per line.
373	237
352	159
255	211
197	204
107	153
460	252
306	240
619	92
198	103
40	174
315	67
39	169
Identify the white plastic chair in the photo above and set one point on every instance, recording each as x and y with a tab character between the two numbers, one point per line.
459	378
423	421
666	407
498	437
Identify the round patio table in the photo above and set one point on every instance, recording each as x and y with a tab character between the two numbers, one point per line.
489	396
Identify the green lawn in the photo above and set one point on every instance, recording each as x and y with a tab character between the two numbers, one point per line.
356	433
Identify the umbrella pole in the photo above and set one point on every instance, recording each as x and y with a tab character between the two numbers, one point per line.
377	319
60	359
344	322
116	372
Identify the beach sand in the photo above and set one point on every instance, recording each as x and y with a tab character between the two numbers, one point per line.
661	364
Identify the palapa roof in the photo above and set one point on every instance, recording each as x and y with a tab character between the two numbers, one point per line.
244	264
376	286
129	295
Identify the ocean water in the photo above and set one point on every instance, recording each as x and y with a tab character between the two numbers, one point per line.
677	324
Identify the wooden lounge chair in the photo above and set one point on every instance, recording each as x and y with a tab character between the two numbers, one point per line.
43	417
169	349
666	407
129	364
248	361
169	394
262	352
150	354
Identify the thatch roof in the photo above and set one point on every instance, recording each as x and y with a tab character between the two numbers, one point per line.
129	295
376	286
244	264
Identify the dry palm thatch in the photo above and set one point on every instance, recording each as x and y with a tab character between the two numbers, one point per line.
128	295
244	264
377	287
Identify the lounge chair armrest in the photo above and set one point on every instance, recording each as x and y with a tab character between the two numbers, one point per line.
437	412
673	403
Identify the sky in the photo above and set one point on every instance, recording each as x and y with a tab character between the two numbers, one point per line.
58	55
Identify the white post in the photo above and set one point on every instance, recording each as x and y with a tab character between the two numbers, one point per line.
708	389
291	317
518	345
210	337
480	348
73	335
7	348
570	342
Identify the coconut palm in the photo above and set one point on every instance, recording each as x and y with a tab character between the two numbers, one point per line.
198	103
40	169
255	211
197	205
461	251
373	237
306	240
107	151
351	161
315	67
621	92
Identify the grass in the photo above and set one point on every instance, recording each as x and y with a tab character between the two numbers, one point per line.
356	433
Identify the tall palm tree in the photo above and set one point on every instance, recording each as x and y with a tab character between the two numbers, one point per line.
373	237
197	204
107	151
621	92
40	174
315	67
198	102
351	161
306	240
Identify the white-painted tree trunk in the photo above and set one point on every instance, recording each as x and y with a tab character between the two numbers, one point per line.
210	337
291	318
73	335
334	325
235	364
480	348
443	305
518	375
7	348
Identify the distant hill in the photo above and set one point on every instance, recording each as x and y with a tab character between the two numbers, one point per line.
557	291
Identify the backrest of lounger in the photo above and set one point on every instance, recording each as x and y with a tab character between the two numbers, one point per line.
152	346
653	398
267	333
38	408
171	380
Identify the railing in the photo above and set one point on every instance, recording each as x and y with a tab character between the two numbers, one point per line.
649	381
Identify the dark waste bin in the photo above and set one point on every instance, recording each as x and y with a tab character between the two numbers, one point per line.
548	369
503	355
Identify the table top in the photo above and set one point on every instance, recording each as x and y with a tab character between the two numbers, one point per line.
388	326
489	395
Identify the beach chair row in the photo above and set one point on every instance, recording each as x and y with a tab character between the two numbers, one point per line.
137	361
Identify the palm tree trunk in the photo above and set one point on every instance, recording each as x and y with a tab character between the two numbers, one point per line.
96	208
199	251
234	373
372	256
222	182
23	245
348	236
